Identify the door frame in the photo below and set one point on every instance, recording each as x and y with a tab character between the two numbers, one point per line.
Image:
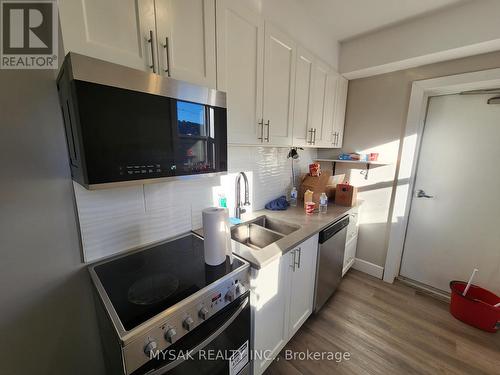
410	151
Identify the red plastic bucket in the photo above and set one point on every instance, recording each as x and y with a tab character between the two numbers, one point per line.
477	308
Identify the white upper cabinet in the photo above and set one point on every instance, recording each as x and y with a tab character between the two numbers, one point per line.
302	113
119	31
169	37
279	83
186	40
339	113
318	131
240	64
278	94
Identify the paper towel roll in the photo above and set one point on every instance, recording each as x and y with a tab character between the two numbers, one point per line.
217	242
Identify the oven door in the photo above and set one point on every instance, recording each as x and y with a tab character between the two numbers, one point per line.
219	346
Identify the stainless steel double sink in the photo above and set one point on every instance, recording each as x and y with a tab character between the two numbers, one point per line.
261	231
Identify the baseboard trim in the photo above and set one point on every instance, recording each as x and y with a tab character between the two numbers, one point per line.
369	268
425	289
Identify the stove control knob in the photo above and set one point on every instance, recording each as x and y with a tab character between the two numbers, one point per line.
188	323
150	347
203	313
170	335
230	295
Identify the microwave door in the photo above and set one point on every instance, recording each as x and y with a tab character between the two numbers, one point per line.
126	134
194	148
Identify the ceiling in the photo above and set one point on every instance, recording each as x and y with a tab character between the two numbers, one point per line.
346	19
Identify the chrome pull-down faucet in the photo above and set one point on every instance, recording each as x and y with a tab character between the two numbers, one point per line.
238	209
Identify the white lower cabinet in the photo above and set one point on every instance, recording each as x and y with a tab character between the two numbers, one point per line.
282	296
351	240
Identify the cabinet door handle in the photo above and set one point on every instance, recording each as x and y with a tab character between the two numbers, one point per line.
314	132
300	255
167	56
311	134
261	124
292	266
268	126
150	41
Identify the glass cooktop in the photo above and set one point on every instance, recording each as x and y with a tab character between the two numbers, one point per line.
145	283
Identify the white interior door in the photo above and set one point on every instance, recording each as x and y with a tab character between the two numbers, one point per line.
458	228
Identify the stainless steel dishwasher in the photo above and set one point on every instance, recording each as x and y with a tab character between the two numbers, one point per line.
330	261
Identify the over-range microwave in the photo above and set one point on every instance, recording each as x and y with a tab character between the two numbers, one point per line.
126	126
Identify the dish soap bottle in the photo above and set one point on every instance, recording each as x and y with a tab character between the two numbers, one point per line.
293	197
222	200
323	203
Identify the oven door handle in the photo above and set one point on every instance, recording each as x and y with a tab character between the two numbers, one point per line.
201	345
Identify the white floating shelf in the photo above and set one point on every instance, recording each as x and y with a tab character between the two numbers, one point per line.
366	163
352	161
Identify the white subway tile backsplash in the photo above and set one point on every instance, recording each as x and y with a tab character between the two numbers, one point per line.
116	220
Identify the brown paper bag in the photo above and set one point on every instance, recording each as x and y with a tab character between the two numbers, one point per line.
345	195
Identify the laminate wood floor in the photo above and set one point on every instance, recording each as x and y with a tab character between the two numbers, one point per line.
389	329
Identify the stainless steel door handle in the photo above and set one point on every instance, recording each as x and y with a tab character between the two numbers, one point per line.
268	126
261	123
314	132
300	255
292	266
150	41
311	134
167	56
422	194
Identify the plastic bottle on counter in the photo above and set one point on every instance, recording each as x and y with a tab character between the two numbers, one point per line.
323	203
293	197
222	200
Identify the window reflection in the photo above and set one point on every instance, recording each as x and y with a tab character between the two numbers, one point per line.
191	119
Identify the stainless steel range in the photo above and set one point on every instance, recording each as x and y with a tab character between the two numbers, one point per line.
162	310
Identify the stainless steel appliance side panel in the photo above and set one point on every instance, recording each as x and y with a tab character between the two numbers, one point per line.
89	69
329	267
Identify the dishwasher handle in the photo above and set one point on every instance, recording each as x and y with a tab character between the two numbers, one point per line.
333	229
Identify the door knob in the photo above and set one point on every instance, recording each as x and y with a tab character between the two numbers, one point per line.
422	194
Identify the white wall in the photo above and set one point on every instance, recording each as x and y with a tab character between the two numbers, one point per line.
115	220
465	30
293	17
47	316
375	119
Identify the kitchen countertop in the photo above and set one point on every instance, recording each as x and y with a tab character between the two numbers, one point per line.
309	226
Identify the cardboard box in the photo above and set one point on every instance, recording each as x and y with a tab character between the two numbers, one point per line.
317	185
